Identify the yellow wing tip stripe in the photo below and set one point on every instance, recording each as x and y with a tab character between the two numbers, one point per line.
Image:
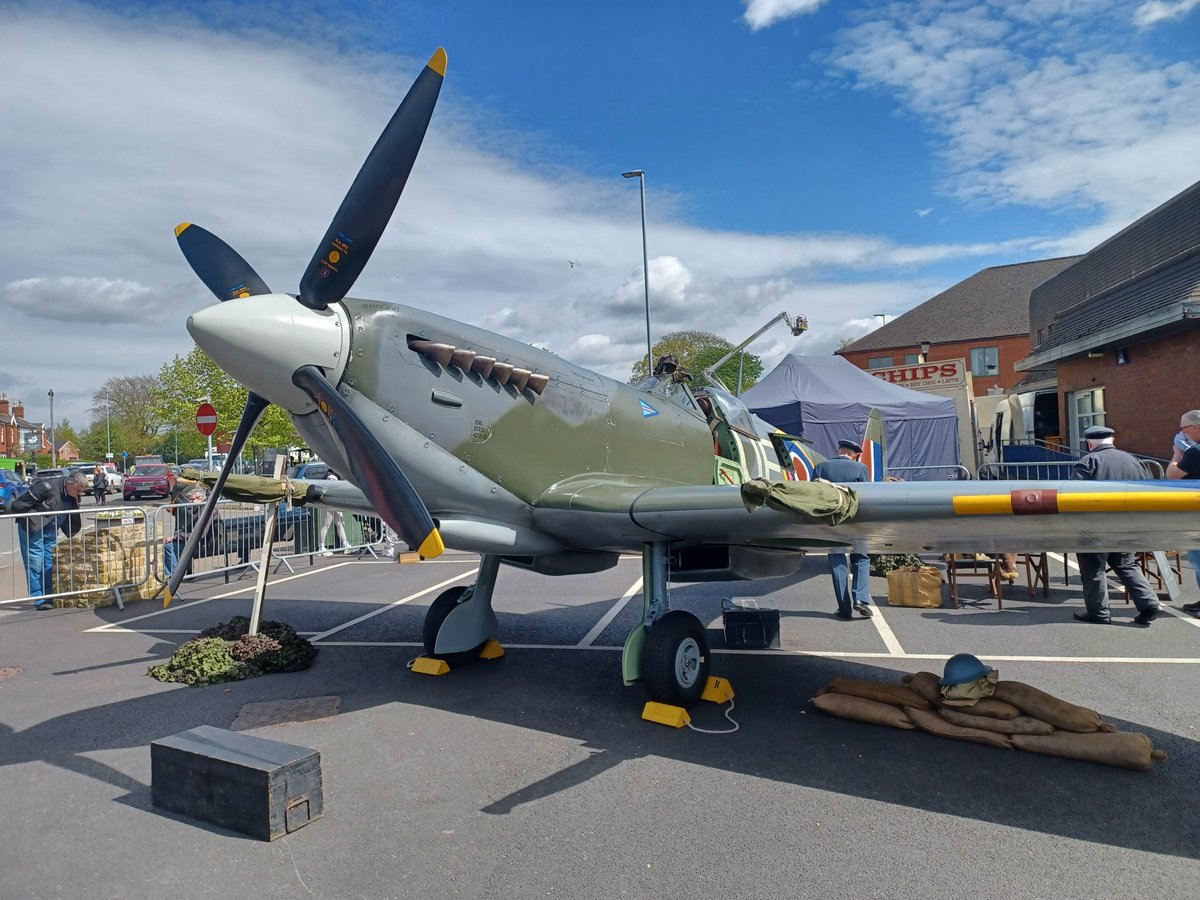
181	228
437	62
1098	502
166	597
432	546
983	505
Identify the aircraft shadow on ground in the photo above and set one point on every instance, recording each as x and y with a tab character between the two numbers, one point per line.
782	737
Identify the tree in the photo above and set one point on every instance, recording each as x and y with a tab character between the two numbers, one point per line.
696	349
183	381
128	403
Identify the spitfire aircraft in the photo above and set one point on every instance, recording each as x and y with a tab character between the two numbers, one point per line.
462	438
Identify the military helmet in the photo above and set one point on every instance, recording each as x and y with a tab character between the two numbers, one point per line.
962	668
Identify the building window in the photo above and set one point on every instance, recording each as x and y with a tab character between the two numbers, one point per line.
878	362
985	361
911	359
1087	409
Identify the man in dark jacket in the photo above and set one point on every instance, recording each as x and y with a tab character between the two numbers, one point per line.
1104	462
56	495
844	469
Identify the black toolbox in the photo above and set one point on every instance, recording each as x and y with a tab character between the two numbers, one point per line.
262	788
750	623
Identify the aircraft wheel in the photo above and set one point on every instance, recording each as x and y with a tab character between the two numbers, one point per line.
438	610
675	660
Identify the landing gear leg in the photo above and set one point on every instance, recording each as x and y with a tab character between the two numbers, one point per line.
668	650
460	621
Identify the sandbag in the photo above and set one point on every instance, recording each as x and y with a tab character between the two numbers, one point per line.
929	686
925	684
895	694
1059	713
991	708
1016	725
927	720
861	709
1124	749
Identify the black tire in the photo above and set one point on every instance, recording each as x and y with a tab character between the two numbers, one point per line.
438	610
675	659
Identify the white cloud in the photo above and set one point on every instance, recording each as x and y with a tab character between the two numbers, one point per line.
1155	11
764	13
1032	107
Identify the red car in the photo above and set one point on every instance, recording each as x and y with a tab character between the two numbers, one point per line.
153	479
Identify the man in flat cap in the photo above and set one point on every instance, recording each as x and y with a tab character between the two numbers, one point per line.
846	469
1104	462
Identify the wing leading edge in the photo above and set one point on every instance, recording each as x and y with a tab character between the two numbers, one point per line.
896	517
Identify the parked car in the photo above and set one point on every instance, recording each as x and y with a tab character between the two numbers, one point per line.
116	482
314	470
152	479
10	486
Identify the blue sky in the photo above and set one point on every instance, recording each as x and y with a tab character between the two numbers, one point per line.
831	159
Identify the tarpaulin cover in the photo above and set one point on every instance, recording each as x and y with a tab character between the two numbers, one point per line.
826	398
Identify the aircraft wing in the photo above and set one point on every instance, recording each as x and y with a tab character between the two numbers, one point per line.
889	517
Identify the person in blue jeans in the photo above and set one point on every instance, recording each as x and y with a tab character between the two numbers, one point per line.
1185	463
186	507
57	496
851	589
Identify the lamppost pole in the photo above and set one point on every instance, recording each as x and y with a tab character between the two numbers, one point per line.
53	450
108	425
641	177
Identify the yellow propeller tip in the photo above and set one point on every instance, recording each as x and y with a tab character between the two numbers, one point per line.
432	546
181	228
437	62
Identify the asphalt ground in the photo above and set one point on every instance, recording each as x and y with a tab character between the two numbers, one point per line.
533	775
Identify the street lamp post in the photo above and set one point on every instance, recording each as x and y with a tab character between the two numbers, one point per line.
53	451
641	177
108	425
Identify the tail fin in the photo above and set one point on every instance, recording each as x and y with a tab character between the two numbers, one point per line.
874	447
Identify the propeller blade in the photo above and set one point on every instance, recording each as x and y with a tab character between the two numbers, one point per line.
368	205
374	470
255	405
219	266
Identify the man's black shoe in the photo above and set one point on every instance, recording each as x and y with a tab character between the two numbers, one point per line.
844	615
40	607
864	609
1146	616
1094	619
1191	607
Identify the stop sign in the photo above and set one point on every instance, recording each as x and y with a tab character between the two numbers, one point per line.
206	419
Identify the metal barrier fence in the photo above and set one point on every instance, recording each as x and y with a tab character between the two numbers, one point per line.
108	559
1051	471
930	473
128	552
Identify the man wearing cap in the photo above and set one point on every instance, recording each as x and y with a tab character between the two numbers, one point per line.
846	469
58	496
1186	464
1104	462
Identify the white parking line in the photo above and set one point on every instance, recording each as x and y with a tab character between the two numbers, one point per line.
885	632
613	612
120	626
395	603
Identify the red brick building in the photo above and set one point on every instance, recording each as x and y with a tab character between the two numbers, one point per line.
20	438
1121	326
984	320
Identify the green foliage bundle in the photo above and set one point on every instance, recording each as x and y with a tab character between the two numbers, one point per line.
883	563
226	652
